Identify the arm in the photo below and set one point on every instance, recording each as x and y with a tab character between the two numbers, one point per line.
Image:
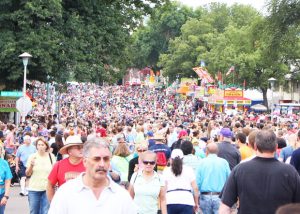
131	190
29	167
7	188
196	195
50	191
162	199
224	209
17	164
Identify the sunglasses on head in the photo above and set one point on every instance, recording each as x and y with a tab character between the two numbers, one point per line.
149	162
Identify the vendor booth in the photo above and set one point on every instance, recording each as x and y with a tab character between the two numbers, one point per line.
228	98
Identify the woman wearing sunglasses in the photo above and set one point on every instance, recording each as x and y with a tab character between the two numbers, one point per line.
147	187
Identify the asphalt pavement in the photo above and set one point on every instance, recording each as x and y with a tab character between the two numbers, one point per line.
16	204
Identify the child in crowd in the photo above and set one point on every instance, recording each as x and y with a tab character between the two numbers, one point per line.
12	164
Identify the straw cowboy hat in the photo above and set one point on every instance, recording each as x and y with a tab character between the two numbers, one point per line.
74	140
158	137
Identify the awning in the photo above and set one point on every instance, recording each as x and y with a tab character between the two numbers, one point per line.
229	101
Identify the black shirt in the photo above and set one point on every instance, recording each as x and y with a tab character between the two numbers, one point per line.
229	152
262	185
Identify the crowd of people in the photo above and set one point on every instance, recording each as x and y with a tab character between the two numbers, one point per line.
117	149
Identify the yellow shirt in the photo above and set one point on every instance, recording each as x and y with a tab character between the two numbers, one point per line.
40	171
245	152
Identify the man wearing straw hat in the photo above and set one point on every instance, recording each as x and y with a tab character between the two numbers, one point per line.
68	168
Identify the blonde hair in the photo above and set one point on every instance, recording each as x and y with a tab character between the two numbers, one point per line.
293	141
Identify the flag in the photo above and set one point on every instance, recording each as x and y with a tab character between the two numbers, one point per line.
231	69
202	63
204	75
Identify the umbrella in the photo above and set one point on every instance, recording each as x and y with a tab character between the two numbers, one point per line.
259	107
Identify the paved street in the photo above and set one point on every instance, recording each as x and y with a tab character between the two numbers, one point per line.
17	204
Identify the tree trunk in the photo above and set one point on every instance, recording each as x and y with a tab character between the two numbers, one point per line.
265	99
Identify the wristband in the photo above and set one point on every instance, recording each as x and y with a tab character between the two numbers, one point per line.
7	197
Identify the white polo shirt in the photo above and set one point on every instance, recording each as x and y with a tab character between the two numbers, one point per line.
74	197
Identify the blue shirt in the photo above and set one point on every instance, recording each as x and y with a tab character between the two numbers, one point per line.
5	174
24	152
286	152
212	173
161	148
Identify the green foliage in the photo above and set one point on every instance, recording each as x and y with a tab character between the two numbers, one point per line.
67	38
149	41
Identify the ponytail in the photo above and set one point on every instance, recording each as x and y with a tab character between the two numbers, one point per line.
176	166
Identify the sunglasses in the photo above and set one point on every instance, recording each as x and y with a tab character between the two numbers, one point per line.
141	150
149	162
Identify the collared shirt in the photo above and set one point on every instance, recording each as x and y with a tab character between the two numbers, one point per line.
76	198
212	173
192	161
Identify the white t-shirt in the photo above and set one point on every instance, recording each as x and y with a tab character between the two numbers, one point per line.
179	189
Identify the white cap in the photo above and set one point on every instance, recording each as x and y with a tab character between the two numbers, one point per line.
177	153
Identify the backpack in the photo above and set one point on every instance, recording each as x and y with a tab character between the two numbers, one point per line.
161	160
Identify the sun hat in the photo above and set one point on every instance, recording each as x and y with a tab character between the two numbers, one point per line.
177	153
158	137
74	140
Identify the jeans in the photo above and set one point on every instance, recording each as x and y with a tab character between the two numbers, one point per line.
2	208
38	202
209	204
180	209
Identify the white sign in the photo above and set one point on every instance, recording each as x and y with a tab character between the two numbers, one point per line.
24	105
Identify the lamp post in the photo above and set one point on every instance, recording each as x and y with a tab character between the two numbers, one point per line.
25	57
48	95
272	82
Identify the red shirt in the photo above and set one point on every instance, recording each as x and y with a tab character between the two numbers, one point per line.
63	170
102	132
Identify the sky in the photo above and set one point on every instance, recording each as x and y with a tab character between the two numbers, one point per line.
258	4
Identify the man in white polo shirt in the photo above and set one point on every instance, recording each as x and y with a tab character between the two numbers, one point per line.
93	191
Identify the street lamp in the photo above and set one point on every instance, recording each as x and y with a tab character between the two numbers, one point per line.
25	57
272	82
48	77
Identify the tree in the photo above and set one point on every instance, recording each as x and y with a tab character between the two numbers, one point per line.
152	39
67	37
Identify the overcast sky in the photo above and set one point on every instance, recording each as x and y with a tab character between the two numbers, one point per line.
258	4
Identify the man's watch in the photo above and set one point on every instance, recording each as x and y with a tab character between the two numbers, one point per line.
7	197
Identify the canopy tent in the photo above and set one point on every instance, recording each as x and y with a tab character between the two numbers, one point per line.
259	107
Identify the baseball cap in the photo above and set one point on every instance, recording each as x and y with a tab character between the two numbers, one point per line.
177	153
182	133
226	132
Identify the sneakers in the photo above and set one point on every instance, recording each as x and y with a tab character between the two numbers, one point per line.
23	194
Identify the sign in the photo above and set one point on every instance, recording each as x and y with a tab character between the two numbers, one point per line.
7	103
11	93
24	105
233	93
